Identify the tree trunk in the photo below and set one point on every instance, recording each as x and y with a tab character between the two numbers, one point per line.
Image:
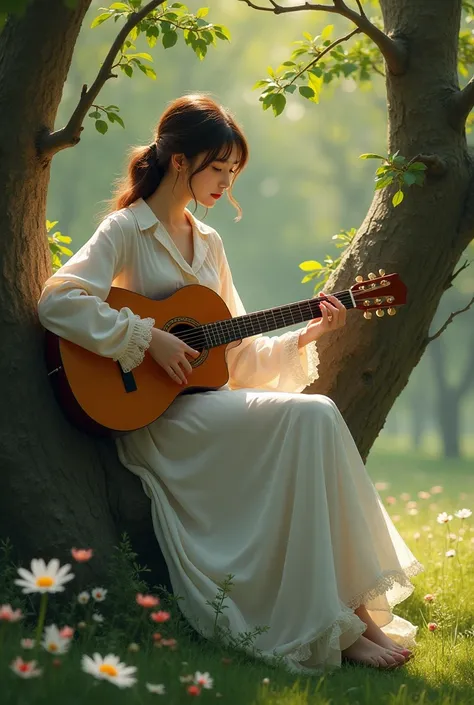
64	489
367	364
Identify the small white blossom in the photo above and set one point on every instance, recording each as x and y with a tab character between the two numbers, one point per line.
97	617
451	553
109	668
443	518
83	598
158	689
203	679
463	514
99	594
54	642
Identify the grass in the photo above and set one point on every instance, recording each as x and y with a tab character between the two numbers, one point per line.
441	673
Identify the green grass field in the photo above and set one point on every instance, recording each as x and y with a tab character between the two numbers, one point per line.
442	671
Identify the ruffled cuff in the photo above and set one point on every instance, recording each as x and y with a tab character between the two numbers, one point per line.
301	364
139	342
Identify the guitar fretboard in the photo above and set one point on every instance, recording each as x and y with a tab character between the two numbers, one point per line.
228	330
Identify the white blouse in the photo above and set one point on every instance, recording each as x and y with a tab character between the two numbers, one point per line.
131	249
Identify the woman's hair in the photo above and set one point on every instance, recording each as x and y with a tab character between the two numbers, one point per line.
190	125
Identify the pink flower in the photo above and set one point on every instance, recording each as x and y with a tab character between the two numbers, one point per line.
27	643
147	600
156	636
81	554
169	642
160	616
7	614
429	598
25	669
193	690
391	500
432	626
66	632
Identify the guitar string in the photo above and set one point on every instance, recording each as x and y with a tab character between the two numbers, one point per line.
193	336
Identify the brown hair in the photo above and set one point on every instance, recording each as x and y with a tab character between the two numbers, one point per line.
190	125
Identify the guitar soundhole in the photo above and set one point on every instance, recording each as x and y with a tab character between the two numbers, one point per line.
193	336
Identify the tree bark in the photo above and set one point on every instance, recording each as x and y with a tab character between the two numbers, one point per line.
367	364
61	488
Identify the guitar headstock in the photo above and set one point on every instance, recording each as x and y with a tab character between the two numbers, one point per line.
379	293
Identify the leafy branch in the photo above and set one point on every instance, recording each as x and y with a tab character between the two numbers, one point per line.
328	60
399	170
55	247
316	270
394	51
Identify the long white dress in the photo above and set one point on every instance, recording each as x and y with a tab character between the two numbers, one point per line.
255	479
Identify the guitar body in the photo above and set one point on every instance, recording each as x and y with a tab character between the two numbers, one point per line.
100	399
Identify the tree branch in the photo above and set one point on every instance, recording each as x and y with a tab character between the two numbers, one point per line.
394	51
325	51
462	103
450	319
51	142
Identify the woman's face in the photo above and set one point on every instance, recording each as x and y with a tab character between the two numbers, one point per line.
211	183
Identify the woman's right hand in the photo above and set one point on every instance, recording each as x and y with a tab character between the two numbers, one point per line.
170	352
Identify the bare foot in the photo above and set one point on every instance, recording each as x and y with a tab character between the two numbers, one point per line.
368	653
375	634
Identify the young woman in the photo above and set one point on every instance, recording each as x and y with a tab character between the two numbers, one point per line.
253	479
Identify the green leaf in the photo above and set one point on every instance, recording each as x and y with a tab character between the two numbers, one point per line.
101	126
418	166
310	264
327	31
308	36
120	6
267	100
143	55
409	178
370	155
202	12
260	83
383	182
221	30
65	250
169	39
278	104
315	83
148	71
290	88
113	117
62	238
101	18
127	69
398	198
95	114
306	92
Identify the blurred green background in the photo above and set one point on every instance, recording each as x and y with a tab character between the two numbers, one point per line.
304	183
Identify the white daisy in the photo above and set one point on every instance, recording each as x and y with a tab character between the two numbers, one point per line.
203	679
44	578
443	518
97	617
83	598
25	669
451	553
54	642
463	514
99	594
109	668
157	689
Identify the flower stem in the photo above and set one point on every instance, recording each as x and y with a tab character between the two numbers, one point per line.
42	615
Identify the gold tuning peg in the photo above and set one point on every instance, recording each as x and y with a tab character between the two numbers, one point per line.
382	272
368	315
391	311
359	279
372	275
380	313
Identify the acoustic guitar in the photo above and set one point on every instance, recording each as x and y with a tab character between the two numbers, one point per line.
99	398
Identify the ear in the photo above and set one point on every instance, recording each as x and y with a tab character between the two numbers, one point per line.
178	161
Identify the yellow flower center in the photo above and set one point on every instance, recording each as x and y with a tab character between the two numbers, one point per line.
107	668
45	581
53	647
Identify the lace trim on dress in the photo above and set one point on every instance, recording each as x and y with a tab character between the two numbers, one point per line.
292	360
386	581
140	340
349	619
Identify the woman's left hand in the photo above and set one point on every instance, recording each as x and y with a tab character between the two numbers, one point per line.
333	316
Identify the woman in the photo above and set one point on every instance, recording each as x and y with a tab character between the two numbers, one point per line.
253	479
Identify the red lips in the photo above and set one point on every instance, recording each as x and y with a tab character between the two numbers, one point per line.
216	195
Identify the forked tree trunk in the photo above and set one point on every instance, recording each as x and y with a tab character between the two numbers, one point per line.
367	364
62	489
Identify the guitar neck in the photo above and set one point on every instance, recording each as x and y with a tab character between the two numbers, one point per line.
228	330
